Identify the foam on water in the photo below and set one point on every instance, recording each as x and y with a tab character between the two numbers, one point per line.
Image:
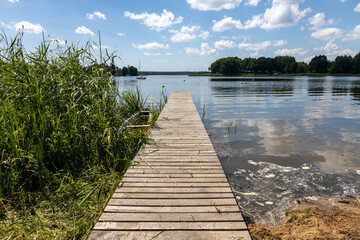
267	198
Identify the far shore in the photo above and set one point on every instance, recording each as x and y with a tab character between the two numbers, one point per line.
278	75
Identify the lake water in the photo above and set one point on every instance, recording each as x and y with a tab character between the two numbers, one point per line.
277	138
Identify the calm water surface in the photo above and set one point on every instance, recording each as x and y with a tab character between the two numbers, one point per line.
277	138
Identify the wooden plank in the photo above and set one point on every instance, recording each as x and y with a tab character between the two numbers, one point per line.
208	158
178	180
172	202
177	184
155	209
166	226
170	235
171	217
177	163
175	188
175	175
170	165
171	171
173	195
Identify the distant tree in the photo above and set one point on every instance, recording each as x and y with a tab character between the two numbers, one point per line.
112	68
133	71
215	66
226	66
118	72
356	64
342	64
319	64
302	67
124	71
263	65
283	64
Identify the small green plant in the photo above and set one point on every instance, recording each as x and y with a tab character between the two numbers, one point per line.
156	109
229	128
307	213
293	217
203	113
217	209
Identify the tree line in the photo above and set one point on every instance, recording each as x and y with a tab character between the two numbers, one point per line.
285	64
118	71
124	71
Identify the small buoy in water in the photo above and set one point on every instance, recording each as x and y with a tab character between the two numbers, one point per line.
163	86
306	168
269	203
184	80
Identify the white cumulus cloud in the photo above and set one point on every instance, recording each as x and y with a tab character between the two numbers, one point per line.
14	1
58	41
333	50
186	34
29	27
216	5
152	54
255	21
205	49
252	3
225	24
283	13
354	34
254	46
96	14
96	47
317	21
121	34
327	34
8	26
84	30
291	52
224	44
152	45
154	21
357	8
279	43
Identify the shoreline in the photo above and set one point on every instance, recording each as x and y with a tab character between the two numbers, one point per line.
315	218
278	75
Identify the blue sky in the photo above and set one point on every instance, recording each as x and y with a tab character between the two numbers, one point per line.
175	35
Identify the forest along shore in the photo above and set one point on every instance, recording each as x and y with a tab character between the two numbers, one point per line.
315	218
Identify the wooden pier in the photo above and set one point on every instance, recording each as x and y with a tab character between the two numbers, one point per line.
176	188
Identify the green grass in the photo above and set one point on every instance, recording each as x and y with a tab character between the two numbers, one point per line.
61	152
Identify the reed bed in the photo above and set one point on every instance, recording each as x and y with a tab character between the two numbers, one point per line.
61	151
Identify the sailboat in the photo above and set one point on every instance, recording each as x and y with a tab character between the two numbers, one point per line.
140	77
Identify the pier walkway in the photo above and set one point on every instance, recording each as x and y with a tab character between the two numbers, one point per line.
176	188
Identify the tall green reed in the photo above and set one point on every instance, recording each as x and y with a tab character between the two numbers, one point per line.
58	113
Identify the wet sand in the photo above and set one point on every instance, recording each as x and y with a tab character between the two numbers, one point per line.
315	218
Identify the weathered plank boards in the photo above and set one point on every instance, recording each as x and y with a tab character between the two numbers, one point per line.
176	188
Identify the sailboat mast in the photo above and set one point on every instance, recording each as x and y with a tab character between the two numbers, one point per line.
100	49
